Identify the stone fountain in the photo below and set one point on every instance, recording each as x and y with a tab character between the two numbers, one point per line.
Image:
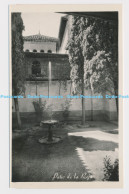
49	123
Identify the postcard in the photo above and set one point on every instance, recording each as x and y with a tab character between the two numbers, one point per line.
66	116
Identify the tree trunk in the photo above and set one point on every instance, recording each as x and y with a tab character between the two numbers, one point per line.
50	133
83	104
116	94
115	82
91	106
36	88
117	102
59	86
70	87
17	113
117	105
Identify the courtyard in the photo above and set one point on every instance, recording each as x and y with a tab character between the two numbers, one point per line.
70	138
78	157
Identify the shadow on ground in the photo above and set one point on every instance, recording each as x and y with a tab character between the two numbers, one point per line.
90	144
35	162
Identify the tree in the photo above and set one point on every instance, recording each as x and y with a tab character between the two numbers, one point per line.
18	60
77	58
101	67
93	55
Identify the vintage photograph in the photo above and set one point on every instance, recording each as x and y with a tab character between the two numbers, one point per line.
65	96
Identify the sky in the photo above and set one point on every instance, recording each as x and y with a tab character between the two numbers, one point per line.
47	23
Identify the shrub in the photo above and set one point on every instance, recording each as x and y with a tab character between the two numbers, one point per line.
111	171
40	108
66	107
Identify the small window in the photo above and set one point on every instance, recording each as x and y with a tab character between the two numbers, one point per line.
35	51
49	51
42	51
27	50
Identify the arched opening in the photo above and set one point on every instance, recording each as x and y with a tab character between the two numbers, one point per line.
36	68
42	51
35	51
49	51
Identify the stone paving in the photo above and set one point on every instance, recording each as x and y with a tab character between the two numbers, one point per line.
93	159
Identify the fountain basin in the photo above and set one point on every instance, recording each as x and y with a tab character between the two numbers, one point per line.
49	122
50	138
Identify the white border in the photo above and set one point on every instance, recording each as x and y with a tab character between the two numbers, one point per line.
4	110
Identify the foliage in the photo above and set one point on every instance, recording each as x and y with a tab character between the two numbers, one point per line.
99	72
39	107
66	107
111	171
36	68
93	50
43	110
93	55
101	57
18	59
76	57
62	72
49	111
62	75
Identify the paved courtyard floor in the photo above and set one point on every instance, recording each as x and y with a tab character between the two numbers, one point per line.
78	157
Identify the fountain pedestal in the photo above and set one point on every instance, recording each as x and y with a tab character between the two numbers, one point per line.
50	138
50	133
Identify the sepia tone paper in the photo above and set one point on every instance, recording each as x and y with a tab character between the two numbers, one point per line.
73	8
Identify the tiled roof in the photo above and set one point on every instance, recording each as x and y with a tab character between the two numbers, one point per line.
39	37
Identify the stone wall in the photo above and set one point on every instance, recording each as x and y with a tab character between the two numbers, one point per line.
109	106
40	46
103	109
96	109
59	65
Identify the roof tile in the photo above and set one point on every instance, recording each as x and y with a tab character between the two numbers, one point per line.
39	37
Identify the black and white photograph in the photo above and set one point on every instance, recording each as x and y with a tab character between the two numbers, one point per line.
65	96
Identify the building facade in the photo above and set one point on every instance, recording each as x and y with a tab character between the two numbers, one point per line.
40	52
40	43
